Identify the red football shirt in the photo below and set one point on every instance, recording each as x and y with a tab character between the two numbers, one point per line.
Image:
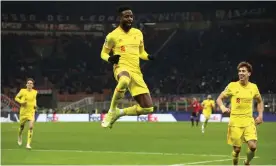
196	106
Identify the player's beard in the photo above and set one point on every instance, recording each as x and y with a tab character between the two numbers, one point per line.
127	26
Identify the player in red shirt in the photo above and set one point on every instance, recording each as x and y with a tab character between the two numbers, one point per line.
195	114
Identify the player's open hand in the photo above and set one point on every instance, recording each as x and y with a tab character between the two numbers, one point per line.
259	120
114	59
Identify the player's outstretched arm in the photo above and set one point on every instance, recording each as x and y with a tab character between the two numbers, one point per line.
19	96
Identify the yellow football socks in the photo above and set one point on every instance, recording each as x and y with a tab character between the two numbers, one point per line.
137	110
119	91
235	158
30	135
205	123
21	128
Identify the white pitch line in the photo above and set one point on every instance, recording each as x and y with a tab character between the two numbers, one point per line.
126	152
208	161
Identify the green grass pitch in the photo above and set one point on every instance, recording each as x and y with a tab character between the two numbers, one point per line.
130	144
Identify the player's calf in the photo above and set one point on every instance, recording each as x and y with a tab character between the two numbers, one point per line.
147	110
235	155
137	110
192	120
197	121
30	134
119	92
252	146
21	128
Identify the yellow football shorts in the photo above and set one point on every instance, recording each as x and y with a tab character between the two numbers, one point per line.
24	118
238	135
137	84
206	114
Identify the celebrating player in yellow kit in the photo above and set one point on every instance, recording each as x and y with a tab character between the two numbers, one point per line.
127	46
208	106
241	127
27	99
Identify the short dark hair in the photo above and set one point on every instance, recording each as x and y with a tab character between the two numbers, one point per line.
247	65
123	8
30	79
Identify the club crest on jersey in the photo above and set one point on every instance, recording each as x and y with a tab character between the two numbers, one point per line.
123	49
238	100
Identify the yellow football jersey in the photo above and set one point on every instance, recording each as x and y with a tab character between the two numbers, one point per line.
128	45
208	105
29	97
241	103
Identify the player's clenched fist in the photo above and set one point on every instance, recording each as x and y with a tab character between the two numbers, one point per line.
225	109
114	59
259	120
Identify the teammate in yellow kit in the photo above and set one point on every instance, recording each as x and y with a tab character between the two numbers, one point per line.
27	99
208	105
242	126
127	46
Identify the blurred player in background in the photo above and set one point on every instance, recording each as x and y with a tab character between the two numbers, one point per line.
208	105
127	46
195	114
27	100
241	127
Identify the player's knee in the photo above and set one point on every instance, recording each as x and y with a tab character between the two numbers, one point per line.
237	150
253	147
31	126
124	81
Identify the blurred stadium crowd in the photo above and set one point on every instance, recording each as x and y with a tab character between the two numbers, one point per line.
189	61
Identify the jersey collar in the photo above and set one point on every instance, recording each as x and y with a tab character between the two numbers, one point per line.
119	27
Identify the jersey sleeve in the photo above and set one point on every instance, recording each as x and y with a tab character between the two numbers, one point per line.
203	103
141	39
228	91
109	42
256	92
18	97
108	45
142	51
35	99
